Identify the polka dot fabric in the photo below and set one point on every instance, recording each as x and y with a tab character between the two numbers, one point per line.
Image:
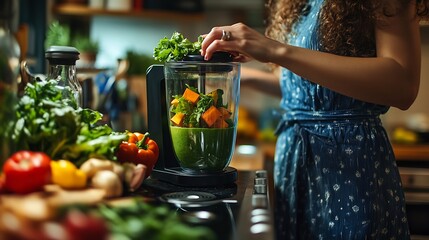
335	173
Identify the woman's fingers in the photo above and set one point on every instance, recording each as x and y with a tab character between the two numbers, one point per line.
229	39
214	34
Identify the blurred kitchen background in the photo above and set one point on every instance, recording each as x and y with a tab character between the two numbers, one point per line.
116	39
123	34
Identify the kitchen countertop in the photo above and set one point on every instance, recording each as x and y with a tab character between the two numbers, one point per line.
414	152
403	152
230	209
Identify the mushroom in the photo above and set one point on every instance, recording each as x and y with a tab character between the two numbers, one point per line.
109	182
93	165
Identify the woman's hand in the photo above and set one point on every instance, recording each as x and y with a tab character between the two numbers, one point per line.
244	43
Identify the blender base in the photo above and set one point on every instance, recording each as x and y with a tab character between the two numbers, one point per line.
180	177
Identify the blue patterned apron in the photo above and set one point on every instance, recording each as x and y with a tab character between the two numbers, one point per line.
335	173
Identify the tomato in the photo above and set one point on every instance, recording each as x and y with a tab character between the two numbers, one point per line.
27	172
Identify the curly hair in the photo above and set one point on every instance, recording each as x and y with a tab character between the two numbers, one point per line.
343	23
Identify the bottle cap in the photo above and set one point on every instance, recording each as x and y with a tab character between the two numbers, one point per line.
62	55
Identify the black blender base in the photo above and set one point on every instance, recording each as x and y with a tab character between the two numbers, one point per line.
180	177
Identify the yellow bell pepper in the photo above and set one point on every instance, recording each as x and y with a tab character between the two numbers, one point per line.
67	175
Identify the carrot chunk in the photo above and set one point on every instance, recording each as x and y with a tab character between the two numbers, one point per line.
191	96
174	102
220	123
225	112
211	115
177	119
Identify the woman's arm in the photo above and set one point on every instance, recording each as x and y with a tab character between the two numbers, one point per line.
392	78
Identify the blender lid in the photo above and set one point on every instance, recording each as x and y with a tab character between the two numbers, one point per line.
219	63
218	57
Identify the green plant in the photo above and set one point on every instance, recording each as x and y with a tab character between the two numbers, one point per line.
85	44
139	62
57	35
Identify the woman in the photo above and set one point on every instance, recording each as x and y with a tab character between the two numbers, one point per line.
343	64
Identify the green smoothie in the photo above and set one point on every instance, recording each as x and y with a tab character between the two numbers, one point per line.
203	149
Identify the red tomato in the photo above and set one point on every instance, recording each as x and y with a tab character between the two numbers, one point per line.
27	172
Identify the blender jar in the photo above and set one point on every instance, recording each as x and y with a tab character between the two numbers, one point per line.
202	103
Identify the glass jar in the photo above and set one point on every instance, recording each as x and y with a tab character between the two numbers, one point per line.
62	67
9	73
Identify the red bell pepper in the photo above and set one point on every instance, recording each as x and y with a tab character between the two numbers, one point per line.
139	149
27	172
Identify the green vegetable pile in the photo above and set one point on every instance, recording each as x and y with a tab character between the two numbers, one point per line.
140	220
47	122
143	221
176	48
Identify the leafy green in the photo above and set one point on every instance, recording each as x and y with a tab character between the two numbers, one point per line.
49	123
143	221
176	48
84	44
57	34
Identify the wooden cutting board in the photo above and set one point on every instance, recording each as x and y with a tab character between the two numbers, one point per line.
41	206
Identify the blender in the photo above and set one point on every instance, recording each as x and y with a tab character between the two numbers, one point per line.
192	115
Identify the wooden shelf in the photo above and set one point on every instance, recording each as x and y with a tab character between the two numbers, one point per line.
419	152
79	10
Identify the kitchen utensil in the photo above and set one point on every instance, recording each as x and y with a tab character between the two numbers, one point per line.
193	156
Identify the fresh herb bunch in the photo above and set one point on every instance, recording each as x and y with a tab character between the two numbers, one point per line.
47	122
176	48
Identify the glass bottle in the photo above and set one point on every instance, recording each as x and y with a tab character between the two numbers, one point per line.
9	73
62	67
